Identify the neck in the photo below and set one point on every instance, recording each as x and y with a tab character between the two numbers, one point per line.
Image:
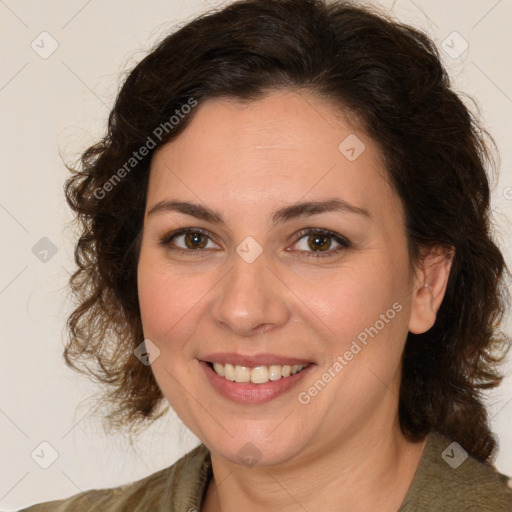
364	473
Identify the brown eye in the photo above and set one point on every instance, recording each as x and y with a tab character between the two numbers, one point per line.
320	242
188	240
195	240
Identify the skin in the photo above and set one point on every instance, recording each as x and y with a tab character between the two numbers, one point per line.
344	449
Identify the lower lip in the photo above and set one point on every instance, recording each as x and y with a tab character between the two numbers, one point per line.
250	393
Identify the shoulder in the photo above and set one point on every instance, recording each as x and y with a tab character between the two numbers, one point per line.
176	487
449	479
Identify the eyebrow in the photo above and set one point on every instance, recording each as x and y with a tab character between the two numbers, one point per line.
294	211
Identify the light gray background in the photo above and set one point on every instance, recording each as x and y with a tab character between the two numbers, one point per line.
52	108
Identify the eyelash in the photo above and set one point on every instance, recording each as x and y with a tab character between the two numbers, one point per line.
343	242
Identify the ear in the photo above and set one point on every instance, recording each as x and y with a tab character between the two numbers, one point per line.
430	281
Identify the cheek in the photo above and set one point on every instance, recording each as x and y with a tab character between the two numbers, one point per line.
169	302
364	302
352	298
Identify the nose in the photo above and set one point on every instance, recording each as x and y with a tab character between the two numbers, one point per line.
251	299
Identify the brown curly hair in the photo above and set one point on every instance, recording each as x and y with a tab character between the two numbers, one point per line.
390	77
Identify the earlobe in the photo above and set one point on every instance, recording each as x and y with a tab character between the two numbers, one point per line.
429	288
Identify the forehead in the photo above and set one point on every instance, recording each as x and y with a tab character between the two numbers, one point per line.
287	146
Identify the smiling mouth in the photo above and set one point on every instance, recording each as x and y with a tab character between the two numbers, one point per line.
257	374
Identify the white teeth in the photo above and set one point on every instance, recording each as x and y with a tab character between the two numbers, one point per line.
274	372
219	369
286	370
229	372
258	374
242	374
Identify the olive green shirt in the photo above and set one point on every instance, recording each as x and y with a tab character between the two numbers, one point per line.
447	480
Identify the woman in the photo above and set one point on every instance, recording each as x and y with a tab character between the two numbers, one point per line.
291	209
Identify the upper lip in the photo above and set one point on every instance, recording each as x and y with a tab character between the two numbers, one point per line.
252	360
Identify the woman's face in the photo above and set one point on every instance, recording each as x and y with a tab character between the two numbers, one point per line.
296	255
